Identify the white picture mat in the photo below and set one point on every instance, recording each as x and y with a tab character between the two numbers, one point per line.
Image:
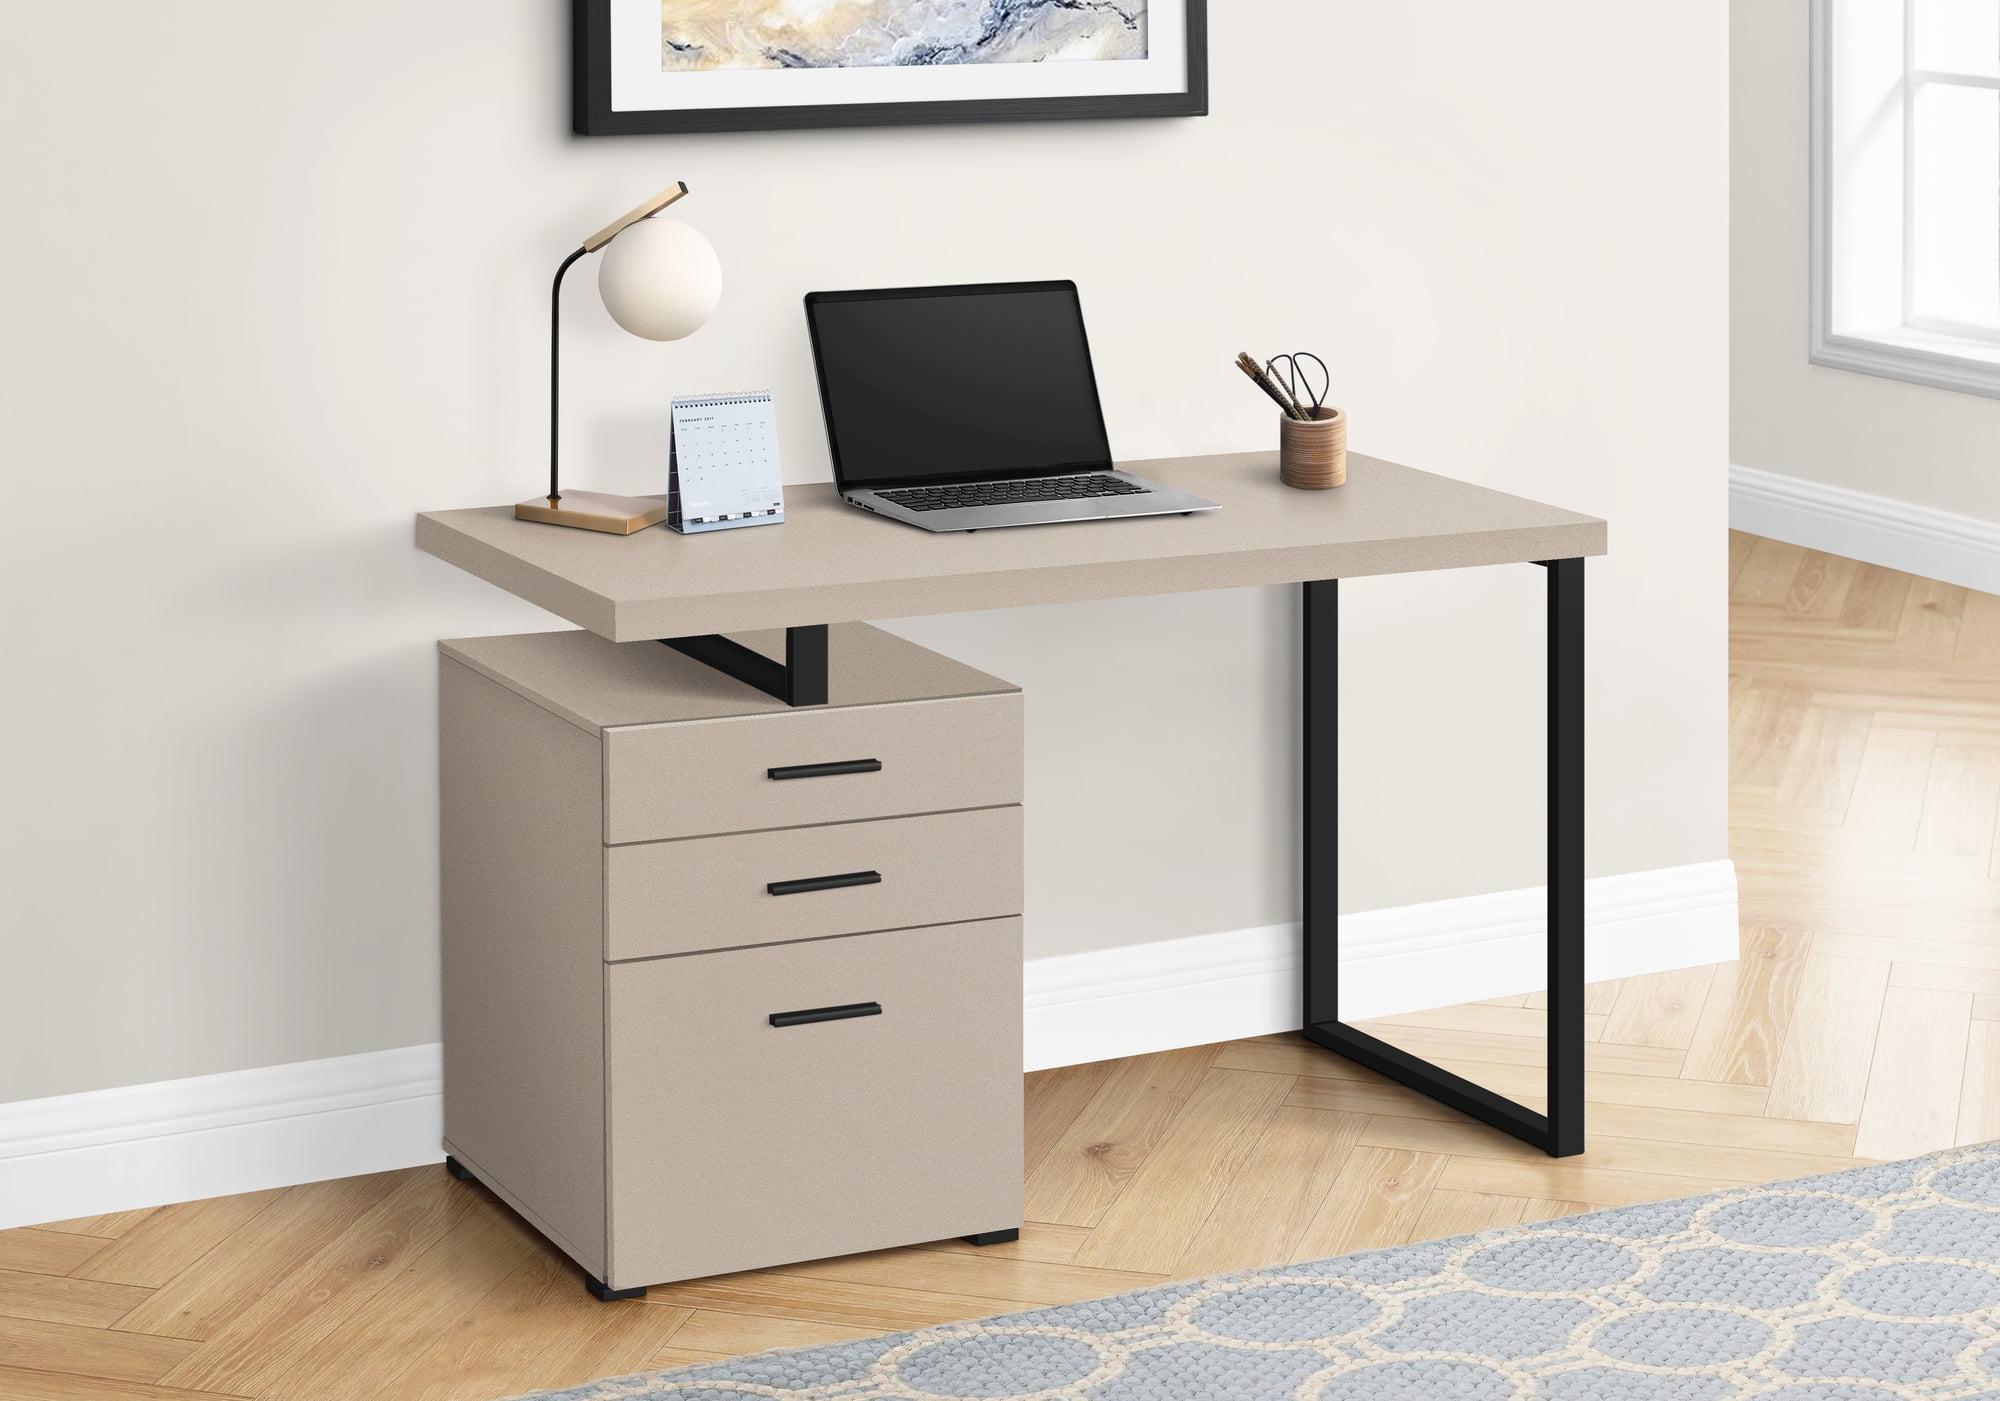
638	85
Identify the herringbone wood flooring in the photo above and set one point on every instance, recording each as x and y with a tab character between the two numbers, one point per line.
1863	1019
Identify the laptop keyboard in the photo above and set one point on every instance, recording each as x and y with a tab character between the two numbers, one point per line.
952	498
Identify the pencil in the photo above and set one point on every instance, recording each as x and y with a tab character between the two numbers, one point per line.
1286	397
1264	382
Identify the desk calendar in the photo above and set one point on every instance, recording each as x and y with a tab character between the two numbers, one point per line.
723	464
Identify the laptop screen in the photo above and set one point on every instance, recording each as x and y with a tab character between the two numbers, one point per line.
956	383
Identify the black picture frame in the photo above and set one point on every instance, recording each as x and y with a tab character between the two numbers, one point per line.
592	114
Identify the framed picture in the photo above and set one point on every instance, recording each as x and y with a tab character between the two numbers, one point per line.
748	65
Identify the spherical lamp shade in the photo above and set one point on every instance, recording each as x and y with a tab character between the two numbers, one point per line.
660	279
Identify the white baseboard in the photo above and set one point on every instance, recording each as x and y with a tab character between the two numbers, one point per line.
145	1145
1217	987
1957	549
181	1140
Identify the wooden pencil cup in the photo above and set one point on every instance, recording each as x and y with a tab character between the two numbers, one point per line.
1312	455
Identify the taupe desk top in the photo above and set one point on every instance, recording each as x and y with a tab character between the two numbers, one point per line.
830	563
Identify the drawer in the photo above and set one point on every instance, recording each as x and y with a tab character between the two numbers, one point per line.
811	882
736	1144
802	767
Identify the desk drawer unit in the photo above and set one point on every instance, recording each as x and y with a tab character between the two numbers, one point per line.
884	1105
811	882
729	983
741	775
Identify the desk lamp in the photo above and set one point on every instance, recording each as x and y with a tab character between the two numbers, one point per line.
659	279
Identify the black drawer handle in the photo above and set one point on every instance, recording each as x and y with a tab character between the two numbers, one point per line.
812	883
827	1014
826	770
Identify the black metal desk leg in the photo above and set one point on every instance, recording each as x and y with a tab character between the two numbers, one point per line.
1565	858
1559	1132
1321	826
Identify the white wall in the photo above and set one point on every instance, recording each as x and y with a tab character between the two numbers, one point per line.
1930	448
279	282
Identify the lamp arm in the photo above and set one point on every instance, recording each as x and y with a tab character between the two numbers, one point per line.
555	373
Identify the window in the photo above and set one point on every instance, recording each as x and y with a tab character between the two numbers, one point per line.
1906	197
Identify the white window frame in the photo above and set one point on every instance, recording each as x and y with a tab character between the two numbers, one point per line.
1920	349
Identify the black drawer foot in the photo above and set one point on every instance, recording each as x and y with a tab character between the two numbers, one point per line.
607	1294
995	1237
457	1169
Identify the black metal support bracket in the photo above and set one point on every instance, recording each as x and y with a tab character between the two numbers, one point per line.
1559	1132
800	679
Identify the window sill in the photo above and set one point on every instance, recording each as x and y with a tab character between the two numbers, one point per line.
1921	357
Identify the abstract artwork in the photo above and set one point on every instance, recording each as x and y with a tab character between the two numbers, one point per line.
700	34
725	65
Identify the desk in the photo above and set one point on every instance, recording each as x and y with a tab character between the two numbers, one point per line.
832	564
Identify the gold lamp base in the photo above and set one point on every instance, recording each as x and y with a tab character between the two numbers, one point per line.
593	510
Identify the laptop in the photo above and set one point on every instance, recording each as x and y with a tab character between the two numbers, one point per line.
970	408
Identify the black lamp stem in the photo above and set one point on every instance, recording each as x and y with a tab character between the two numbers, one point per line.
555	370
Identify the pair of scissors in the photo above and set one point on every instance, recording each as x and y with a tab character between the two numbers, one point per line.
1297	379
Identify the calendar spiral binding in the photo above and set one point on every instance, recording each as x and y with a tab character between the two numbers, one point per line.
708	401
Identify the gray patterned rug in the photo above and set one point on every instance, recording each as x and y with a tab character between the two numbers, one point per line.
1877	1284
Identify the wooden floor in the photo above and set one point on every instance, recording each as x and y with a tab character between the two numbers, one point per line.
1863	1021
